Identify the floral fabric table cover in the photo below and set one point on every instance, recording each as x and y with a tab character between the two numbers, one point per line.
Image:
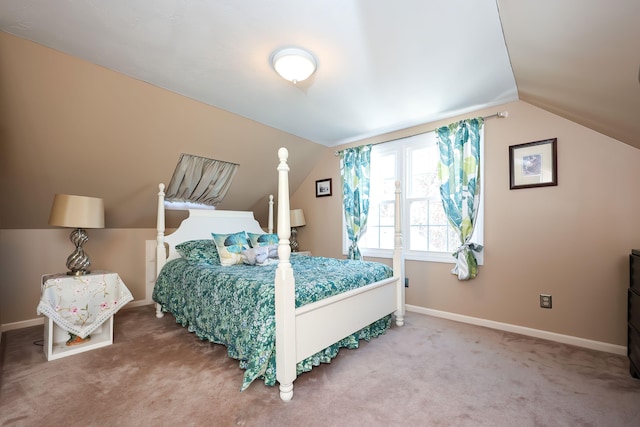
80	304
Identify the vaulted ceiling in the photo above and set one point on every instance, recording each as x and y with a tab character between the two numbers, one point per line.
382	65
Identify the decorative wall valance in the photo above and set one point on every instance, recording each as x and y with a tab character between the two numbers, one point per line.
200	180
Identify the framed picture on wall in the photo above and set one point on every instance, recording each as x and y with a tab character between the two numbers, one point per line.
533	164
323	187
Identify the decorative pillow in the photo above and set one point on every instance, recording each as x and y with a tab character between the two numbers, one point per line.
262	255
230	247
255	256
257	240
204	251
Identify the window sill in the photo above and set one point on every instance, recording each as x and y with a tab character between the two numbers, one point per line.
442	257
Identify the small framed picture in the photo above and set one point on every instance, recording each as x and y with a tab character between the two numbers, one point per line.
323	187
533	164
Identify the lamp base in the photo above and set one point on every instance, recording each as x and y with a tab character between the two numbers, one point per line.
78	273
78	262
294	240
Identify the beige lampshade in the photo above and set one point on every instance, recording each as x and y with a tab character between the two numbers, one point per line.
77	211
297	218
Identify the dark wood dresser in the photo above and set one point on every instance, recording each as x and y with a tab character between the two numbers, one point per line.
633	314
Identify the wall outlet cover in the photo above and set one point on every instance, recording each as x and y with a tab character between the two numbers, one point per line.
545	301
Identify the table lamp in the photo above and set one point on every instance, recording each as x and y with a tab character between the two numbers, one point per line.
78	212
297	220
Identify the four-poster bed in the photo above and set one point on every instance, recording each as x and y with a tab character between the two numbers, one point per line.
302	320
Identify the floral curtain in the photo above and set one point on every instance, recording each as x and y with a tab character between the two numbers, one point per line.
355	164
459	173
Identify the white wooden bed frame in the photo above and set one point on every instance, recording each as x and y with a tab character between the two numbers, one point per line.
300	332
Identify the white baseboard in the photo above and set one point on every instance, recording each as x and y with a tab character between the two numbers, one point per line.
22	324
40	320
536	333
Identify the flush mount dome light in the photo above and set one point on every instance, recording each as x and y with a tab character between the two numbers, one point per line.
294	64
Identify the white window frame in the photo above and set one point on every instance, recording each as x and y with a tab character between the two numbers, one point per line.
402	146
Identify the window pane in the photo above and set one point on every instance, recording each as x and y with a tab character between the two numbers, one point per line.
423	172
383	177
387	213
418	230
386	162
386	237
418	173
433	184
438	238
419	185
371	238
454	240
389	188
418	238
436	213
374	215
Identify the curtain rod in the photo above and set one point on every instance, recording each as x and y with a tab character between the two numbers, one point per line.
499	114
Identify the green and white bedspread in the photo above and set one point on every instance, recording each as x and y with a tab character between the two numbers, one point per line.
235	305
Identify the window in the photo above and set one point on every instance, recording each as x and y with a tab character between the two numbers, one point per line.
427	234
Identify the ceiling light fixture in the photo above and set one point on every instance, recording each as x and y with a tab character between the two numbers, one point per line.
294	64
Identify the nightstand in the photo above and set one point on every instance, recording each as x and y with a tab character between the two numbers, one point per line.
80	305
307	253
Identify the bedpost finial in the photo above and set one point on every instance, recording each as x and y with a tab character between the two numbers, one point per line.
283	154
161	187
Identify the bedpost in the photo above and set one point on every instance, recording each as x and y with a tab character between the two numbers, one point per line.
270	213
284	289
161	252
398	262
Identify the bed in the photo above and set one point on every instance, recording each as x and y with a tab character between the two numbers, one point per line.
276	319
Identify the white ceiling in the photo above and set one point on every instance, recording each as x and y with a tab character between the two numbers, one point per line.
382	65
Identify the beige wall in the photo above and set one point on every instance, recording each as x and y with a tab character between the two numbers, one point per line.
26	255
571	241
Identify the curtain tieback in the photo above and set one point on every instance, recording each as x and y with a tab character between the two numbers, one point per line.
354	250
474	247
466	267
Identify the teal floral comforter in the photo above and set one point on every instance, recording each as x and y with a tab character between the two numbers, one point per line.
235	305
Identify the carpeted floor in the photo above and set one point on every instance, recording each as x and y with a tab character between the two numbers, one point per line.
431	372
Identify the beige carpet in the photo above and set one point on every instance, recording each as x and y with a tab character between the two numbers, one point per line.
431	372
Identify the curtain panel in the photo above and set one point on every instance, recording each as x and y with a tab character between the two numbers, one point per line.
355	166
459	174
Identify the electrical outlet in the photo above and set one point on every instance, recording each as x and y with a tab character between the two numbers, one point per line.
545	300
406	282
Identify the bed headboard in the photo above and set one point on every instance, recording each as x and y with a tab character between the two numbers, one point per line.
201	223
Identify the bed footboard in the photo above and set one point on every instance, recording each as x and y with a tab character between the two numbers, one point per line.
323	323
